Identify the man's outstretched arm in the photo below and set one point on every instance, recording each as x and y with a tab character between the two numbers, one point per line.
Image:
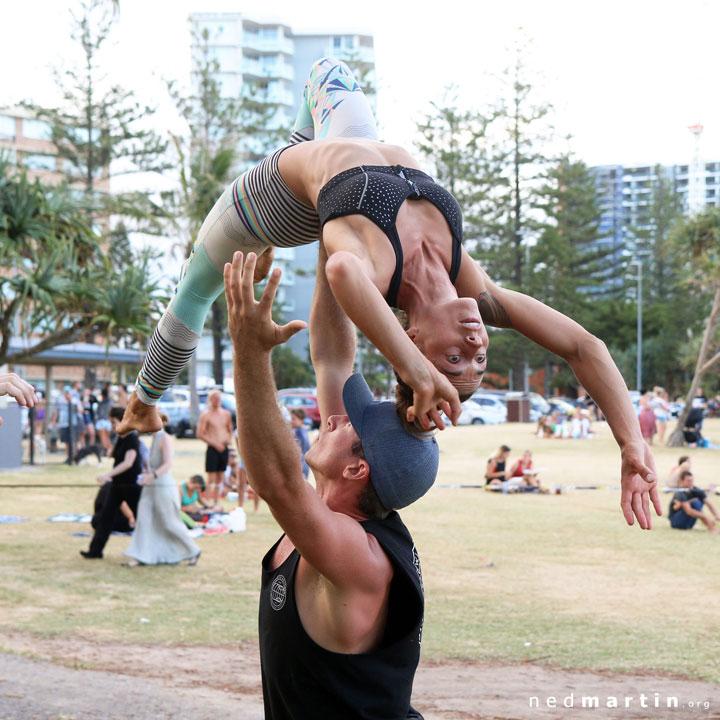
333	543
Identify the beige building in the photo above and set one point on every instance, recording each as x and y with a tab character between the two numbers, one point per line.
25	139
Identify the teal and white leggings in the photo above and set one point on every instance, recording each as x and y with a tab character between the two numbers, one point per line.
255	212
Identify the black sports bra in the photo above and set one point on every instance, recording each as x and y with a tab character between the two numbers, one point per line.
377	192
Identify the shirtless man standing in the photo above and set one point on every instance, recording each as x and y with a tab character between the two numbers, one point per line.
215	428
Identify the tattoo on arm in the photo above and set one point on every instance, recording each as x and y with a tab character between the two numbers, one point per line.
492	312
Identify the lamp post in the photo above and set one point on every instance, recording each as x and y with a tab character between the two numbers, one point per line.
638	260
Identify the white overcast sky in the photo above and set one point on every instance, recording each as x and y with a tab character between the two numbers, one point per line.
626	77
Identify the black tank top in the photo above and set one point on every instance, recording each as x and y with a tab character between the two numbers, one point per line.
302	681
377	192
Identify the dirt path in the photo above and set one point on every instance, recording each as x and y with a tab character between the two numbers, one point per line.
84	680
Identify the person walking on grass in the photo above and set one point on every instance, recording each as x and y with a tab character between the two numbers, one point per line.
160	537
124	477
215	429
341	602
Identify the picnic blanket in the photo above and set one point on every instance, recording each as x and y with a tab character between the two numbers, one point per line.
11	519
70	517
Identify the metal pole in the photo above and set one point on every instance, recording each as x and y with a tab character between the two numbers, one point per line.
31	423
639	326
71	425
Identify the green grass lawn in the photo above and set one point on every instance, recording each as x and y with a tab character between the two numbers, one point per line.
554	579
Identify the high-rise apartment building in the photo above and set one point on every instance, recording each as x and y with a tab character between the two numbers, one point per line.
272	61
625	195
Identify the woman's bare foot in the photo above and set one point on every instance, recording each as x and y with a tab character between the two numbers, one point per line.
139	416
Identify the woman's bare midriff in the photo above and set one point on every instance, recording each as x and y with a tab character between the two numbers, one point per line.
307	166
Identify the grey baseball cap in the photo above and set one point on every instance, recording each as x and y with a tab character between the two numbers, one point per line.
403	466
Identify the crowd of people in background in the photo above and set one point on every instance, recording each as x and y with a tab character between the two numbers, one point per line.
574	424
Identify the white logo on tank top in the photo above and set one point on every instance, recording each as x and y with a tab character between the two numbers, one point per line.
416	563
278	592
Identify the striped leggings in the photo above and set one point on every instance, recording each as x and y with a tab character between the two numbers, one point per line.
255	212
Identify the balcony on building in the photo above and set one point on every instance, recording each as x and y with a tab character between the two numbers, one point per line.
262	67
265	38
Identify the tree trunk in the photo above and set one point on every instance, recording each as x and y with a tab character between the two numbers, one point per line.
676	439
218	333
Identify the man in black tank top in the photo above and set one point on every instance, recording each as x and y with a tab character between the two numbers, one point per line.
341	604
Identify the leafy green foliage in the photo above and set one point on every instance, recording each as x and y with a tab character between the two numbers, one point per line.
101	129
59	285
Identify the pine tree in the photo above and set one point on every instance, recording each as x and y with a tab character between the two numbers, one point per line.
100	129
572	266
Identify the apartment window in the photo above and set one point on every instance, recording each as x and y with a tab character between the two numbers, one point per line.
683	168
269	33
710	180
7	127
711	167
709	193
36	129
39	162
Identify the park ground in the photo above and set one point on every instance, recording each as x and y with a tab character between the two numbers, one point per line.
528	596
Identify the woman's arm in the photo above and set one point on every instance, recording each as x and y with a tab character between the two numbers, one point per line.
350	279
592	364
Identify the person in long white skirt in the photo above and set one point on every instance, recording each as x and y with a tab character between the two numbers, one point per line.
160	535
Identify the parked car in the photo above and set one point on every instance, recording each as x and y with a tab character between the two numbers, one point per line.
492	409
304	398
175	403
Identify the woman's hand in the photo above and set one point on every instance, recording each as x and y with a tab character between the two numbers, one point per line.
432	393
639	484
147	478
104	478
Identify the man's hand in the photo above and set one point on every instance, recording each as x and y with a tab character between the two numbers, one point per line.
249	321
13	385
432	392
104	478
639	484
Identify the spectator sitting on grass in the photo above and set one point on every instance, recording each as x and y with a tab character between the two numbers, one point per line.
522	468
683	464
496	473
191	501
544	426
686	507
